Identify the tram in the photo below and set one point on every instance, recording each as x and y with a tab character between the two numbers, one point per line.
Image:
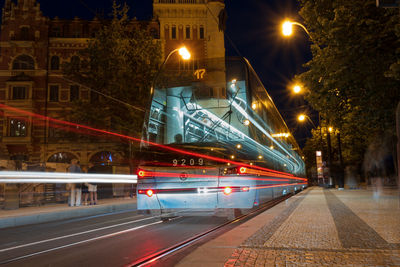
214	141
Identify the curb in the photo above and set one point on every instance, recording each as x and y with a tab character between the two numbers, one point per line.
63	215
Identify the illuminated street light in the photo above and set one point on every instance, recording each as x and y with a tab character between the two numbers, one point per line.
183	52
238	146
301	117
287	28
330	129
297	89
246	122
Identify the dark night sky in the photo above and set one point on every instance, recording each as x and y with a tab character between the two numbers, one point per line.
253	26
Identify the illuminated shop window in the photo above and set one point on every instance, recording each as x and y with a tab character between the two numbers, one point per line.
62	157
18	128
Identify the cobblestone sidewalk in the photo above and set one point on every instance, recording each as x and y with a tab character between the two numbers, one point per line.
318	229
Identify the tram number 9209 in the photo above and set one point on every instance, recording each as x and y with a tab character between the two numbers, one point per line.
190	162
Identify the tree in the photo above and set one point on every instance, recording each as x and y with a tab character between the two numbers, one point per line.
118	66
354	47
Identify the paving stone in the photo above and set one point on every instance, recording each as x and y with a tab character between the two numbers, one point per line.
327	228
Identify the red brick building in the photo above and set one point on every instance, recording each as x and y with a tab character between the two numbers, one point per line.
33	48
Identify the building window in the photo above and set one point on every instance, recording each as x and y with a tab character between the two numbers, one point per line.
19	92
94	97
187	32
62	157
55	63
54	89
173	32
201	32
76	34
56	32
93	32
154	33
24	33
74	93
23	62
75	63
17	128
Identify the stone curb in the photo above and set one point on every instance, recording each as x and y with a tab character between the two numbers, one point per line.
65	214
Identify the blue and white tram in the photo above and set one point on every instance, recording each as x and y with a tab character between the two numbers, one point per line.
215	142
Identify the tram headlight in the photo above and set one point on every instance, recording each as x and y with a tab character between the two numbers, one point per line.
149	193
227	190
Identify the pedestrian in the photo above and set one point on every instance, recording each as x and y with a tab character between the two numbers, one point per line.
85	188
76	188
92	187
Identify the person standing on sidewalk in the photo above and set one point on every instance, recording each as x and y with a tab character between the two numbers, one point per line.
85	189
76	189
92	187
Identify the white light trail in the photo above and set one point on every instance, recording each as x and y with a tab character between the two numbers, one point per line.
62	178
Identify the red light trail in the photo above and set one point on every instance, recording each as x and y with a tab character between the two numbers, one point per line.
79	127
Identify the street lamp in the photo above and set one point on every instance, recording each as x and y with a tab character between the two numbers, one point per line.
183	52
302	117
287	27
296	89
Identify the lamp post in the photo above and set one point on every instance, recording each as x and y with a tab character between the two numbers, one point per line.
302	117
183	52
287	27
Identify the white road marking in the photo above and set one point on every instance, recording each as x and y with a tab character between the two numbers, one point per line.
80	242
76	234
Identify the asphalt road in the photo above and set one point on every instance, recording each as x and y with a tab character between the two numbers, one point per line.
109	240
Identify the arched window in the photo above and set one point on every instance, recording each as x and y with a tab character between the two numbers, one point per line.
55	63
75	62
23	62
62	157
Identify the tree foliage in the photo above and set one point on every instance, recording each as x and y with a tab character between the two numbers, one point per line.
354	49
118	66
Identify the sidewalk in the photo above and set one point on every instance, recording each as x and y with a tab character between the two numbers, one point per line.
55	212
318	227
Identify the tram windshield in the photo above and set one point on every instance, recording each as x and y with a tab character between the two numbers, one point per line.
220	107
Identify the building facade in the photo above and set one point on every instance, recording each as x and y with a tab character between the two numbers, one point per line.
34	47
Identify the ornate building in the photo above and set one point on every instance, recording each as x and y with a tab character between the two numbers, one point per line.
33	48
